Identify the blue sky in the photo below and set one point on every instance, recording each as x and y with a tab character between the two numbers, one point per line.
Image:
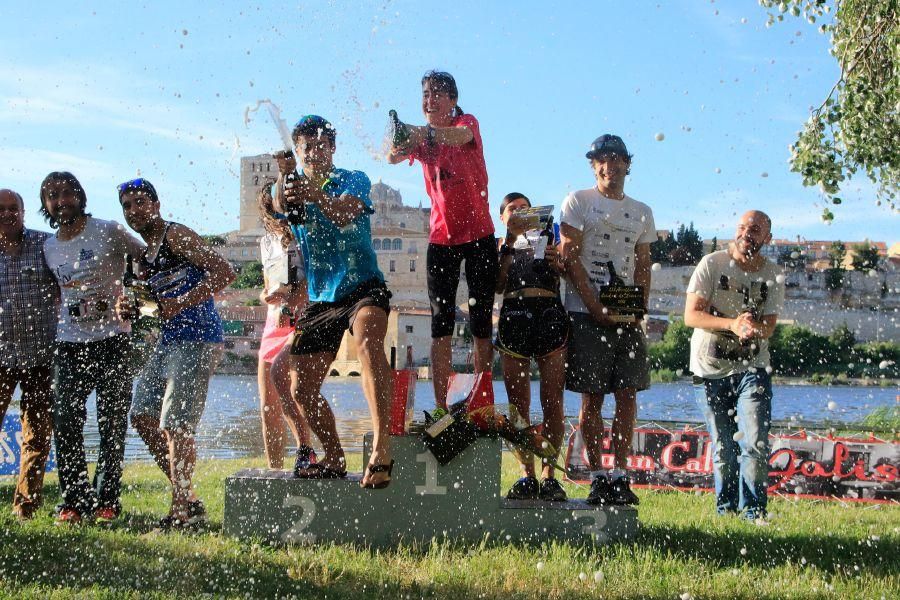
108	90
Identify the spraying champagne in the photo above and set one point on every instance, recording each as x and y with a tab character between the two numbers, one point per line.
296	213
398	132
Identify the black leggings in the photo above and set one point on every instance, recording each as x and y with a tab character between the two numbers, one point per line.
482	267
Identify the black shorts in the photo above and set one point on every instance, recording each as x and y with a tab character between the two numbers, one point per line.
532	327
482	267
322	325
604	359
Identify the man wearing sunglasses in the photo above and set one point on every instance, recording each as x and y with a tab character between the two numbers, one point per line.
329	212
87	256
183	273
29	300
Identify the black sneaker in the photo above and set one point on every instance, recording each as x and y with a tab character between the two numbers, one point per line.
552	491
171	523
601	491
621	492
525	488
196	512
306	456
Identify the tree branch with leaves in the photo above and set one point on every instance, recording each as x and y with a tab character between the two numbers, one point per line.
856	127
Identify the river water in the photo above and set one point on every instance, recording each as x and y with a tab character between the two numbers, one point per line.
231	424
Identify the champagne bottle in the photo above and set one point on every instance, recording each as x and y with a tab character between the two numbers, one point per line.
128	279
399	131
540	263
138	291
547	233
296	213
614	278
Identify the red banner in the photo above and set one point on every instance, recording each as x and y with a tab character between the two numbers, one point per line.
802	463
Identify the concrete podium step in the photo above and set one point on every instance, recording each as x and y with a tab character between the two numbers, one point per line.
458	501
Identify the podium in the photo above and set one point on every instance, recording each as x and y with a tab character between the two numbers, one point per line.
425	501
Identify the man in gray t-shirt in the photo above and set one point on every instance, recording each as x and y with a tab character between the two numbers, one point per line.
733	301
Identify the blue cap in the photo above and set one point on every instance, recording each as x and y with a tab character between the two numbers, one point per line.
608	144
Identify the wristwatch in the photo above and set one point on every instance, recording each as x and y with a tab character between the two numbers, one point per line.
429	135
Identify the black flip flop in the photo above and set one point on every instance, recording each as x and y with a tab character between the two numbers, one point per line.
379	469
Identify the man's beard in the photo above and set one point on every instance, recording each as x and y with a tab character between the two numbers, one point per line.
70	220
750	249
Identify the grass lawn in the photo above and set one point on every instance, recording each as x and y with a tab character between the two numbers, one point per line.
812	549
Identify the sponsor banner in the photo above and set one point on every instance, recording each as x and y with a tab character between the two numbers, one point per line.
11	447
801	463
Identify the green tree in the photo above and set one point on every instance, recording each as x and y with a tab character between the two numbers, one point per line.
661	248
834	279
842	340
689	246
251	276
866	257
673	352
714	244
798	350
834	276
855	128
215	240
793	257
837	252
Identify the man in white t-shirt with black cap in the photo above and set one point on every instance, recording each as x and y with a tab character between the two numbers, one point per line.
606	237
733	301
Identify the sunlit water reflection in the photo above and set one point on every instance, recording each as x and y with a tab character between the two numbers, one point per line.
231	424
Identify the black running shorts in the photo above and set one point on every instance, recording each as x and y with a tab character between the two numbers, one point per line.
323	324
532	327
482	267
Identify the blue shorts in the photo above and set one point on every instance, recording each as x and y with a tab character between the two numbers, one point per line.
173	384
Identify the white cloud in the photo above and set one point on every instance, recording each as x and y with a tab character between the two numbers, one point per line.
77	99
31	165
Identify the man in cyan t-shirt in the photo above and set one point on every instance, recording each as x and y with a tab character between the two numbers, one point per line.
329	212
733	301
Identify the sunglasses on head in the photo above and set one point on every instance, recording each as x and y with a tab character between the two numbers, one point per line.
139	184
134	183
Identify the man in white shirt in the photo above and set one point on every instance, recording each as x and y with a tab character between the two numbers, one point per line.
733	301
87	256
606	237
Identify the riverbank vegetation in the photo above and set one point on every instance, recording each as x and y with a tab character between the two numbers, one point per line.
811	549
796	351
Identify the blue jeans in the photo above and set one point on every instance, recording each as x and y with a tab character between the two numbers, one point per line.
740	468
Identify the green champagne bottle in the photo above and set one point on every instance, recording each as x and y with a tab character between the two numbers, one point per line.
399	131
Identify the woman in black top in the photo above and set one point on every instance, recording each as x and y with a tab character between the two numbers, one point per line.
533	325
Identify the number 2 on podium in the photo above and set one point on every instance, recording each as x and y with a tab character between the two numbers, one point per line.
296	534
